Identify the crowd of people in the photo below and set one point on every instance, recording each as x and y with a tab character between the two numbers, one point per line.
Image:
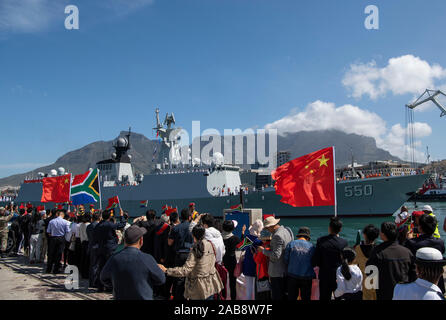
186	255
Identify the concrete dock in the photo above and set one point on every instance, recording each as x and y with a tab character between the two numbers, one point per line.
22	281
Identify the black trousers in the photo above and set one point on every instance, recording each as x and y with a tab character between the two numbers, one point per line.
92	274
102	258
85	260
55	250
178	284
278	288
326	290
351	296
66	252
295	285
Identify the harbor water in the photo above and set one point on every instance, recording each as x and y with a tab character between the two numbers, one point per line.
319	226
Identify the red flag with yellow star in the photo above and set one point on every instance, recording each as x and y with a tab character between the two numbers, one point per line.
308	181
56	189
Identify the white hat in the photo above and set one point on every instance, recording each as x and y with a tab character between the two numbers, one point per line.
42	212
270	221
428	208
256	228
235	223
430	255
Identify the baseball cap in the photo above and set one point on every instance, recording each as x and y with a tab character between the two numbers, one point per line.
133	234
417	213
427	208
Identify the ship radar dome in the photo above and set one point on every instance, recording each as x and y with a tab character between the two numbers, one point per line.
218	159
122	142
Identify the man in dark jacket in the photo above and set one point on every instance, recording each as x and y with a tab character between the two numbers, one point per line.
426	228
327	256
395	263
105	237
150	225
130	272
181	239
92	247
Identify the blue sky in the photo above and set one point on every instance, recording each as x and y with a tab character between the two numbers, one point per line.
228	63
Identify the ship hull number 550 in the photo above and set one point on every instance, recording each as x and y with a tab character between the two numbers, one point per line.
358	191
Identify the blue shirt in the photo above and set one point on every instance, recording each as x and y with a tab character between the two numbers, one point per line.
132	274
297	256
58	227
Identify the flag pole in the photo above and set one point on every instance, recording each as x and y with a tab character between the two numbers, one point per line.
100	192
334	174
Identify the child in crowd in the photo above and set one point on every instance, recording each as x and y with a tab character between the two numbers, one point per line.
348	277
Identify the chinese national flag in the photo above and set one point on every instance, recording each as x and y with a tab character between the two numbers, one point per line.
56	189
307	181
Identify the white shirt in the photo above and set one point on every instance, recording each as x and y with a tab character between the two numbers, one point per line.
348	286
68	234
83	231
417	290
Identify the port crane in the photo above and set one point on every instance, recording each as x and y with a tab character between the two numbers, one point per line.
427	96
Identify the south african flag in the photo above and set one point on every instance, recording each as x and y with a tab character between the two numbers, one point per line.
245	243
85	188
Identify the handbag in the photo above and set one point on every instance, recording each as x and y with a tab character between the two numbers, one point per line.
263	285
72	246
239	266
315	285
223	275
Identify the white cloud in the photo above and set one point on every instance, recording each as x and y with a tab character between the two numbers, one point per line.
33	16
29	16
402	75
321	115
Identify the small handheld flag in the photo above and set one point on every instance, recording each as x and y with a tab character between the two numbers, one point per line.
237	207
113	203
245	243
143	204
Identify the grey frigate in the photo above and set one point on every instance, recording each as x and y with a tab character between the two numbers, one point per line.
217	186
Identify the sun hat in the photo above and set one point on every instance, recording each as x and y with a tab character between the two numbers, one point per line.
430	256
270	222
304	232
427	208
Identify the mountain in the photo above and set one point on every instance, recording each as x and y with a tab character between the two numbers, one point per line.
142	149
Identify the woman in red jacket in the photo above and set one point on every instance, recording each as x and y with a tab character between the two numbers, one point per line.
262	271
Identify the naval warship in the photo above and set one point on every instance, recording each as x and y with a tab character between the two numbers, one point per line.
217	186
